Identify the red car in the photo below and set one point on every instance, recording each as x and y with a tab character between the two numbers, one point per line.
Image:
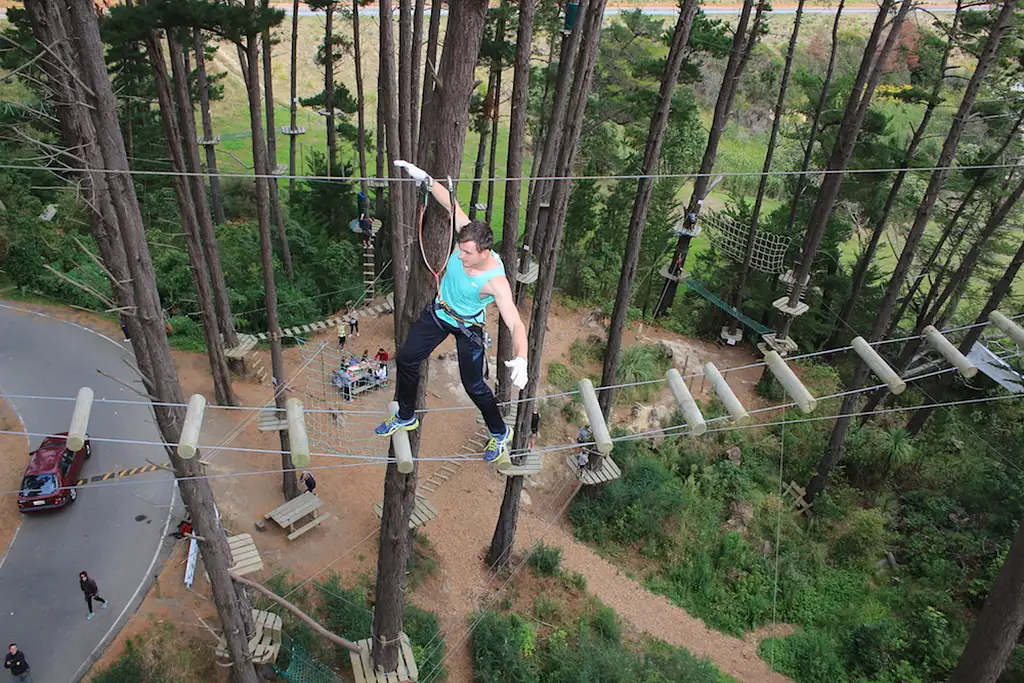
51	474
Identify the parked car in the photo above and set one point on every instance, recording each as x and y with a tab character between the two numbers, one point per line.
51	474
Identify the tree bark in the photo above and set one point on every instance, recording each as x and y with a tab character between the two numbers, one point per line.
484	130
398	211
293	103
496	74
739	54
995	633
443	138
332	129
276	214
504	533
357	58
503	539
860	272
289	484
819	108
430	66
204	108
871	67
196	491
189	210
762	186
417	54
207	234
642	200
513	186
924	212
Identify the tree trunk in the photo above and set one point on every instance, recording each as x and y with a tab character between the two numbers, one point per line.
443	137
642	200
513	186
540	135
995	633
739	53
380	172
417	56
405	92
357	58
819	108
187	204
289	484
430	67
860	272
332	129
871	67
204	109
495	113
293	104
484	130
503	540
207	234
398	211
276	214
762	186
195	490
921	218
552	137
504	533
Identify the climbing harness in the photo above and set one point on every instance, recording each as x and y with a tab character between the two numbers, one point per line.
468	325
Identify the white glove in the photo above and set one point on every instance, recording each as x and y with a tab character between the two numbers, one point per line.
416	173
519	376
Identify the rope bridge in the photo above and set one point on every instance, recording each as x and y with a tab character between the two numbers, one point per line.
730	238
304	668
704	292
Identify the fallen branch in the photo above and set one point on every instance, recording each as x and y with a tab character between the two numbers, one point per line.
338	640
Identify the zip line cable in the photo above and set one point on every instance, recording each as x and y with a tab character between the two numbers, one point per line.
724	371
634	176
680	430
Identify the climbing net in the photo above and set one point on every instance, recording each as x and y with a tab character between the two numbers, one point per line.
730	237
334	424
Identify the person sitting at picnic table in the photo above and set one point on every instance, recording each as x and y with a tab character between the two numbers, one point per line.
366	356
343	380
382	356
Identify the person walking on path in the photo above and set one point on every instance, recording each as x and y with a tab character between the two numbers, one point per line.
342	335
88	587
473	277
534	428
16	662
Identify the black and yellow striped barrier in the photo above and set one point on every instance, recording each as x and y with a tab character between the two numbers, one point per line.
131	472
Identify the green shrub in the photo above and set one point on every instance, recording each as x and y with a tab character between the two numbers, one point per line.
865	541
575	580
807	656
127	669
547	609
642	363
545	559
606	623
503	649
561	376
186	334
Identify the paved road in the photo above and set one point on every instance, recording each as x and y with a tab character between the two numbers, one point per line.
113	532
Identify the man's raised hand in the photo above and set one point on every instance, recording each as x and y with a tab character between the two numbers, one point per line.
519	375
416	173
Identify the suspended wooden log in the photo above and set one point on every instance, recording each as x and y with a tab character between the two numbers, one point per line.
691	413
949	352
725	394
297	437
400	441
188	441
597	424
878	365
80	419
1011	329
790	382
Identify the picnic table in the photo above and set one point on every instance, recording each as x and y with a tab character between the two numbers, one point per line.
355	378
289	514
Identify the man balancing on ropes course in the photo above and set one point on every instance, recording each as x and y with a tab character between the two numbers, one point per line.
472	278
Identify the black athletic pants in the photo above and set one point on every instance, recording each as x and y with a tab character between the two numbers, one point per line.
426	334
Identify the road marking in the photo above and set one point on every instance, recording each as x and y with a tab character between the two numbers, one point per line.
130	472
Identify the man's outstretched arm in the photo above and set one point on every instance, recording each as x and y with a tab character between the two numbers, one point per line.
502	292
438	190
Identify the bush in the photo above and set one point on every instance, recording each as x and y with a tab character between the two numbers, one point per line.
503	649
162	655
186	334
545	559
807	656
561	376
642	363
865	540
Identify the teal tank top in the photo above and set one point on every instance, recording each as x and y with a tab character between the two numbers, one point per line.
461	291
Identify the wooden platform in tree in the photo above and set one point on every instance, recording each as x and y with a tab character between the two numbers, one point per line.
272	420
529	276
365	671
423	512
608	471
245	558
246	343
531	465
265	642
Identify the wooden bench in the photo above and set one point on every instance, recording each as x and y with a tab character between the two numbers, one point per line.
245	558
365	672
289	514
265	642
608	471
308	525
423	511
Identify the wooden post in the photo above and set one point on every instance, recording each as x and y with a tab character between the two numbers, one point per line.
80	419
878	365
188	442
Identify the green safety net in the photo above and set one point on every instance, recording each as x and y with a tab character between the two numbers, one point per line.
703	291
305	668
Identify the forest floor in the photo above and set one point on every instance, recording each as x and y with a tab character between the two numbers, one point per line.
467	503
